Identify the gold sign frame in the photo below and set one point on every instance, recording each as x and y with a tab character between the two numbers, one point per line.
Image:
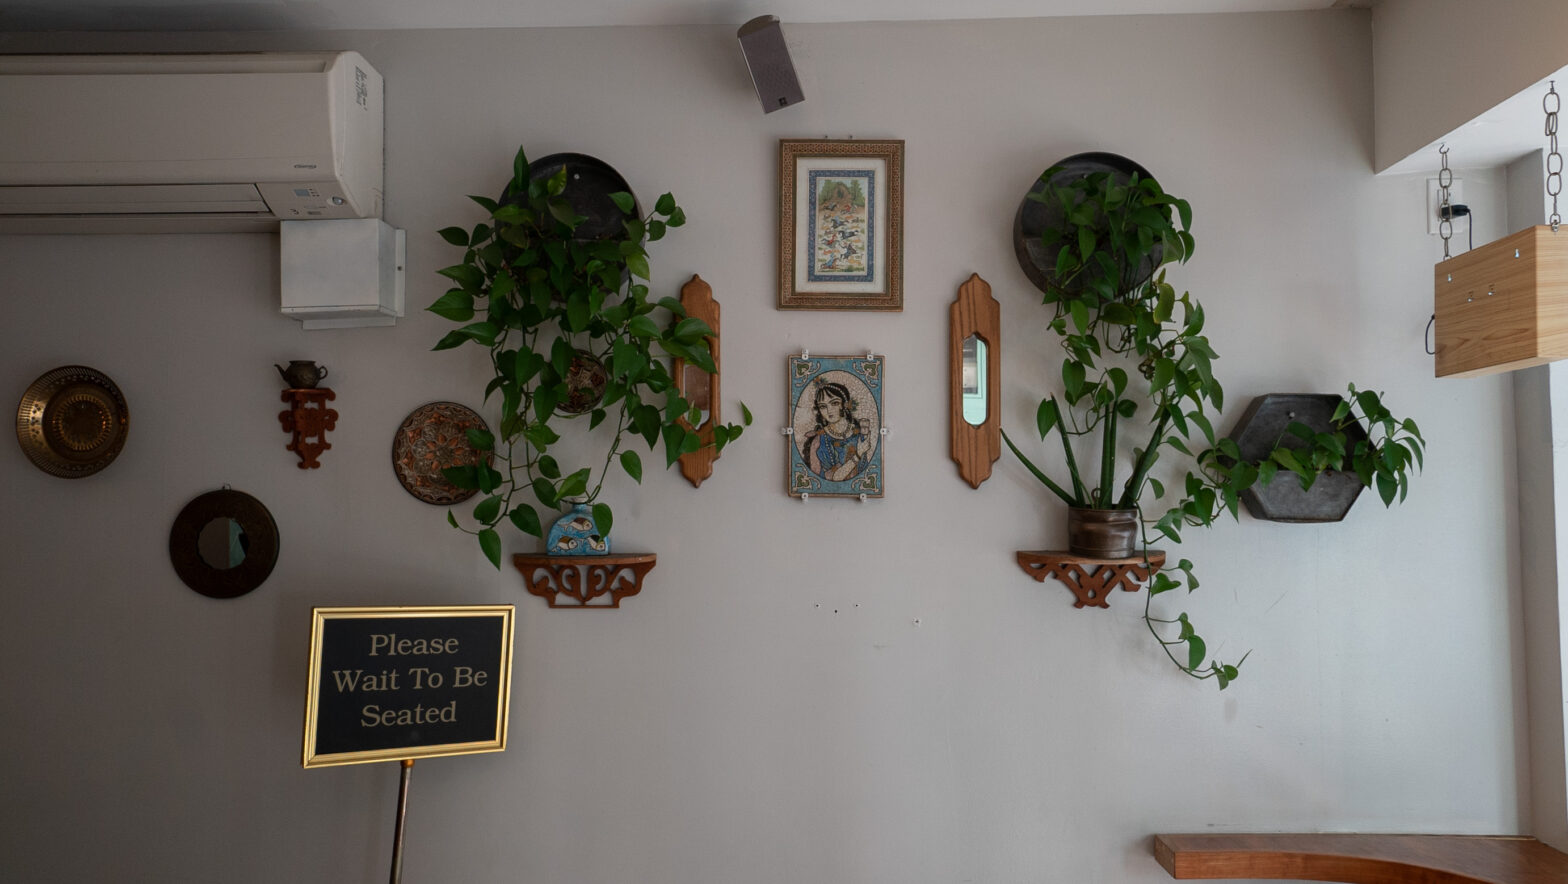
320	616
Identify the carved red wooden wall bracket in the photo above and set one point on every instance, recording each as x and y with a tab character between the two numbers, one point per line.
584	581
1091	580
307	420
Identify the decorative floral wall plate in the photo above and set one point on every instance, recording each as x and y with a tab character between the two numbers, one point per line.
432	438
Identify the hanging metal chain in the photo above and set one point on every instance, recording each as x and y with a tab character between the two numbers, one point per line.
1554	160
1445	179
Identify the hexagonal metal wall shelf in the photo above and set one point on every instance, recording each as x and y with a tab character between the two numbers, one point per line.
1262	426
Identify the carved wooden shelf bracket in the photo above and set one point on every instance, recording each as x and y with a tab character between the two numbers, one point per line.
584	581
1091	580
308	419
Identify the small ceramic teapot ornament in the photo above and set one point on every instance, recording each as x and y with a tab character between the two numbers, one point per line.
302	374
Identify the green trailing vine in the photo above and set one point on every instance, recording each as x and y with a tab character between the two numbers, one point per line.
1137	364
536	297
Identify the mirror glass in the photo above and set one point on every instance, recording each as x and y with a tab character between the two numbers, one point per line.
698	388
221	543
972	361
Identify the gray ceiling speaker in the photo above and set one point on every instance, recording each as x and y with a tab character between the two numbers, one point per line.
762	42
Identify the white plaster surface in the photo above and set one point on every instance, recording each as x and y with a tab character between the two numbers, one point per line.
834	691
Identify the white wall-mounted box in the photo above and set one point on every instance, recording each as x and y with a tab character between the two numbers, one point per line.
344	273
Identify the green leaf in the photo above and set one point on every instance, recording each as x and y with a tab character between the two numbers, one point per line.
638	265
1162	583
1085	242
526	519
1072	378
1286	459
677	217
1046	416
632	464
1080	313
488	509
549	468
489	479
1386	488
624	201
451	519
665	205
643	327
575	484
483	332
1196	651
1164	373
483	440
490	542
450	340
465	478
603	518
745	414
1118	313
540	436
690	330
457	236
466	275
1203	424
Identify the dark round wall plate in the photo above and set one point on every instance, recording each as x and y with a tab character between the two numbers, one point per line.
1034	218
589	183
72	421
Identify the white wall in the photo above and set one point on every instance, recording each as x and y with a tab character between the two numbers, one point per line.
831	691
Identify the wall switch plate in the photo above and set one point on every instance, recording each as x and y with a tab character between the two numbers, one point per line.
1434	199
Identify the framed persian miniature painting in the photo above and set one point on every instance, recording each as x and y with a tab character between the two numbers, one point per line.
835	426
841	225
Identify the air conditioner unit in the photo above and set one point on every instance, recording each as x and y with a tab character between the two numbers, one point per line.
187	142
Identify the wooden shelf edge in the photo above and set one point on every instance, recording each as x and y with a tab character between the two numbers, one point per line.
1362	858
1091	580
586	582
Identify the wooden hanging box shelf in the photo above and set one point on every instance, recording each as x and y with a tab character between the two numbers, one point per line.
1503	306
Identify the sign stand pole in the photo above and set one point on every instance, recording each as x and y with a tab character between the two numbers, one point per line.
402	809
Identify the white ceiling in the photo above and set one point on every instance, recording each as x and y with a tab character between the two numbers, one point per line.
1497	137
313	15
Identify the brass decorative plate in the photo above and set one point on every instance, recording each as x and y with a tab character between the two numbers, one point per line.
432	438
72	421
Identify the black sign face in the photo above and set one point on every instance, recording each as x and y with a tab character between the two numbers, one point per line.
396	683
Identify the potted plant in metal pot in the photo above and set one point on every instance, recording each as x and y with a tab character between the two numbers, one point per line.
1137	381
552	286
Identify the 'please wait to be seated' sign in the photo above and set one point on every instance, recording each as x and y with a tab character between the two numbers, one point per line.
401	683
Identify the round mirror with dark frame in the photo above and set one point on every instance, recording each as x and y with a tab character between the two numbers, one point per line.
224	544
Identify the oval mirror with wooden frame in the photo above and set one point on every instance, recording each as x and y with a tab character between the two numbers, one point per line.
976	362
223	544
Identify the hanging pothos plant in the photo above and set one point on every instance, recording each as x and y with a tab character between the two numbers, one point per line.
540	299
1137	365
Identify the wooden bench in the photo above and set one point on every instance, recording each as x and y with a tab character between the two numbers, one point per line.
1364	859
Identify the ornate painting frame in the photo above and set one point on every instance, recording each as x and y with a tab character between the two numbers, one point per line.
841	224
836	426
